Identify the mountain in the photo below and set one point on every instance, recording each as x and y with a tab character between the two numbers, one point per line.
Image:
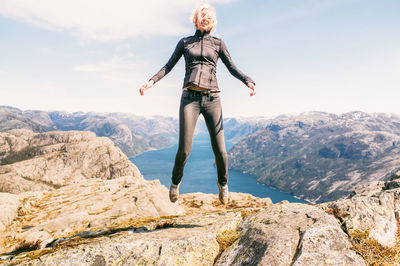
236	129
320	156
13	118
132	134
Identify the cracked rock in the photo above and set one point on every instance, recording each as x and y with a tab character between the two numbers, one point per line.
291	234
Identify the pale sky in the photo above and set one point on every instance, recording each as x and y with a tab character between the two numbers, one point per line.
93	55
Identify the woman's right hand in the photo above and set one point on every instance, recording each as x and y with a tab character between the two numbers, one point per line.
146	86
252	86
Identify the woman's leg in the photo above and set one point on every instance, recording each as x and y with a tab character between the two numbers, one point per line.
189	112
212	112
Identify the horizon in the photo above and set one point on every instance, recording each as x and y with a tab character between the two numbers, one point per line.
225	117
332	56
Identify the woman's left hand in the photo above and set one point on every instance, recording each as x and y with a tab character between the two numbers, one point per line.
252	87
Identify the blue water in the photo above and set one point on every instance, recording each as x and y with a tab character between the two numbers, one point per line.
200	174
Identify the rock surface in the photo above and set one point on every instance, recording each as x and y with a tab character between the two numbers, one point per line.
46	161
200	231
126	220
291	234
372	208
41	217
9	205
130	221
189	240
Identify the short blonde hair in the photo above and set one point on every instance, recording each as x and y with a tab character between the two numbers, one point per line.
204	7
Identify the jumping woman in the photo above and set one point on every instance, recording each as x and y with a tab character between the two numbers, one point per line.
200	95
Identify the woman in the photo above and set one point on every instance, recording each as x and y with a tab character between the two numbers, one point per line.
201	95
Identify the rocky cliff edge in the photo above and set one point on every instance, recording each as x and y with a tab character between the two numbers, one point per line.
123	221
46	161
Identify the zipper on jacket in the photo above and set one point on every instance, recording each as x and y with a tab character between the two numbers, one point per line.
201	56
211	76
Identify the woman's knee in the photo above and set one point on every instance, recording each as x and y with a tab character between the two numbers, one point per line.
183	154
221	154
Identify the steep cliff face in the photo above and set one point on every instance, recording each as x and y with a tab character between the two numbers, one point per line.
320	156
46	161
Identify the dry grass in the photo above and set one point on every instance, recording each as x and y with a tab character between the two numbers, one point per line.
338	213
247	212
369	248
227	238
373	252
38	253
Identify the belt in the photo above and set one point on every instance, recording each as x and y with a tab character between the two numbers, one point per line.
208	92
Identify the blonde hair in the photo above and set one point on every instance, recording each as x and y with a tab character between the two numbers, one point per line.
197	12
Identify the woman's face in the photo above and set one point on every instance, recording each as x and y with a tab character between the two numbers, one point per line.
205	20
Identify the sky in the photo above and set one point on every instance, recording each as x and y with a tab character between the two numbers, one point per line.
333	56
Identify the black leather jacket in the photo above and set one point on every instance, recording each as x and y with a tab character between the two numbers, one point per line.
201	54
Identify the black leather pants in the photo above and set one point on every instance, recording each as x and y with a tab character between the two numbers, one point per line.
193	104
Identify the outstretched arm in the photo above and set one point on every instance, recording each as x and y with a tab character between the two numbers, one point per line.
227	60
165	69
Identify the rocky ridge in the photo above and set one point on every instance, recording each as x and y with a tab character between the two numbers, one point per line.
46	161
319	156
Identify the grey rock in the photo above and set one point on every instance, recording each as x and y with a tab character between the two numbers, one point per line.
373	210
190	241
47	161
291	234
9	205
90	205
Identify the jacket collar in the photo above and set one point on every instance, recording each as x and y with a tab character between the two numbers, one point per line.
198	33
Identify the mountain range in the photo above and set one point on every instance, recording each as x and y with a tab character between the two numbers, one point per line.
320	156
131	133
315	156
